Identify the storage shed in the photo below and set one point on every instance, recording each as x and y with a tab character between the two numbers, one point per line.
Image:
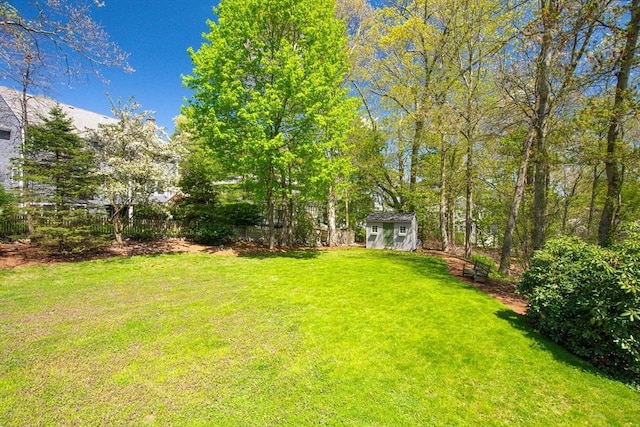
398	231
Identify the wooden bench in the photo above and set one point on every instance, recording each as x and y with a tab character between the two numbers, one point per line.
479	271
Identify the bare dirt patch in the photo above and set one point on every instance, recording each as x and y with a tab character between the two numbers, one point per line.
16	255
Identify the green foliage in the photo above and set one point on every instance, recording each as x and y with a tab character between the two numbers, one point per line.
216	225
7	203
304	230
72	234
210	233
151	210
58	164
198	175
587	298
242	214
269	99
60	173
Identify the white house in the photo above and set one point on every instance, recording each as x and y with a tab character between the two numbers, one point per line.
37	106
398	231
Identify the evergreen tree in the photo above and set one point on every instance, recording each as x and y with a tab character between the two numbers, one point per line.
59	168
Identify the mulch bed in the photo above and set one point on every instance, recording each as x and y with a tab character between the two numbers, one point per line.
503	292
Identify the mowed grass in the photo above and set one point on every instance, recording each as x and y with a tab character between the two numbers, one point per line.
352	337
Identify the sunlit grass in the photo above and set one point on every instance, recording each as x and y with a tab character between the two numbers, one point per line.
340	338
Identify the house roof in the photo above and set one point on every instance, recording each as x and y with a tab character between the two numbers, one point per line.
40	105
390	217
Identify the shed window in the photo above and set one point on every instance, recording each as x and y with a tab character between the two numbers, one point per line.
374	229
5	134
403	230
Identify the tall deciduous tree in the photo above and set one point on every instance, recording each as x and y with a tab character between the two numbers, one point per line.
136	158
424	66
481	33
613	162
268	97
553	46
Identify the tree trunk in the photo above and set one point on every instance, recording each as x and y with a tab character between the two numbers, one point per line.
346	211
331	218
290	238
543	91
270	213
415	151
24	127
468	215
451	221
507	243
613	162
592	200
443	196
116	225
568	198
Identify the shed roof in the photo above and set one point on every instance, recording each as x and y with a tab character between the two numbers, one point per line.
390	217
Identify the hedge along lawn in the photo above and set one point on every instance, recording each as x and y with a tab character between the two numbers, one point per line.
350	337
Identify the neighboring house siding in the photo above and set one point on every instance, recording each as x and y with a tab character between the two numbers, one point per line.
9	148
38	106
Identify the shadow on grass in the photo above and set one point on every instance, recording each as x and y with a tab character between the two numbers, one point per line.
290	254
558	352
428	266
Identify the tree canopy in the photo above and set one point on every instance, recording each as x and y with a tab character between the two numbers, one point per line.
269	98
136	159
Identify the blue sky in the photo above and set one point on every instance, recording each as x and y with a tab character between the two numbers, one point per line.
156	35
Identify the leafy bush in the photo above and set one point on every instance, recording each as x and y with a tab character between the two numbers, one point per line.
210	233
587	298
304	229
140	234
240	214
6	202
151	210
72	235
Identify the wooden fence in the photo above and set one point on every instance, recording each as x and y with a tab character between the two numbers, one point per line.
16	228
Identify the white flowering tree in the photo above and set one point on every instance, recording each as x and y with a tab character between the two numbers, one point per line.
137	159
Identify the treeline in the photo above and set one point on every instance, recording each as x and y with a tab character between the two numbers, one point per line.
496	115
497	122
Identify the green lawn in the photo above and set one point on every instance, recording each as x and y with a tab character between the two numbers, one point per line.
354	337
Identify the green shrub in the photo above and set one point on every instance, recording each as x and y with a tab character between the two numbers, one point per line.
72	234
587	298
151	211
241	214
141	234
211	233
304	229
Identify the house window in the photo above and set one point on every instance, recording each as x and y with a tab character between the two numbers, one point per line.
374	229
5	134
403	230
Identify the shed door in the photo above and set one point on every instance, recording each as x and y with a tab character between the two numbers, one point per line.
387	230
